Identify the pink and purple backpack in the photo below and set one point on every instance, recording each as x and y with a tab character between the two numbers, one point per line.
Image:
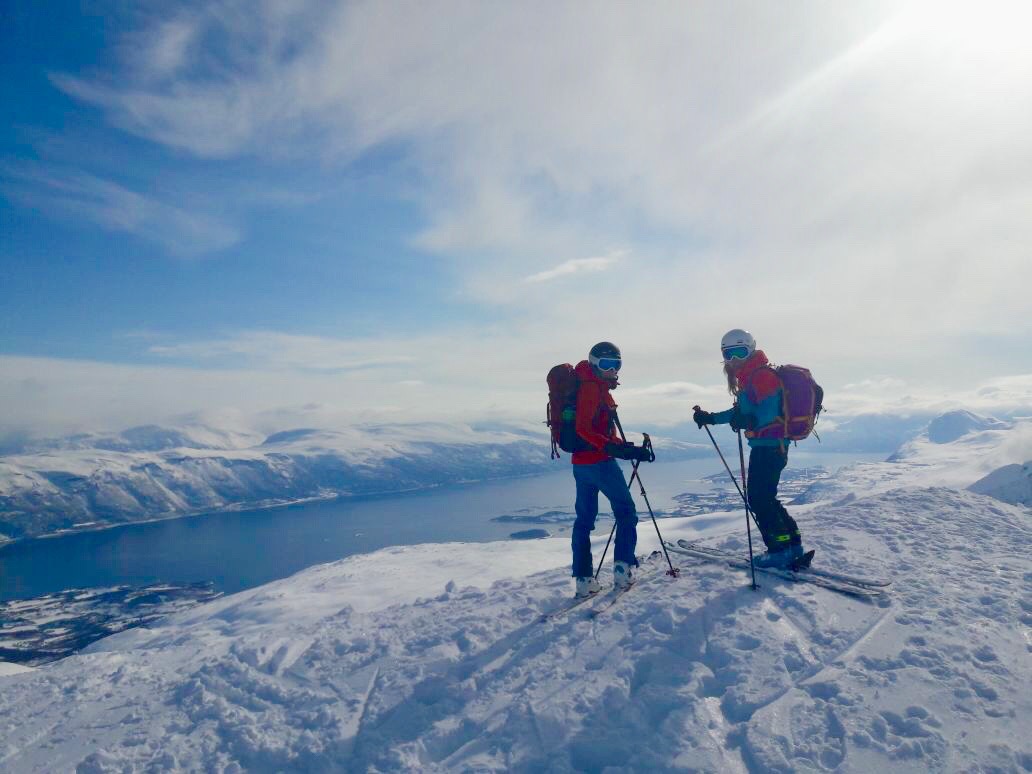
801	404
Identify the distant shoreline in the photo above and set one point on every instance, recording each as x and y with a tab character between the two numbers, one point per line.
262	505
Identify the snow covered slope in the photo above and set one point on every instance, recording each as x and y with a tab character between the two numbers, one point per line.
1011	483
153	472
956	450
434	658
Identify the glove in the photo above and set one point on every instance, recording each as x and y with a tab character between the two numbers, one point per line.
622	451
628	451
738	421
701	417
642	454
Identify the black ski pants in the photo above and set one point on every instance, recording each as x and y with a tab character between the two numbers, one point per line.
778	529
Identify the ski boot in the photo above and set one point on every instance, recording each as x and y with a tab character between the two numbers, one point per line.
782	560
623	575
586	587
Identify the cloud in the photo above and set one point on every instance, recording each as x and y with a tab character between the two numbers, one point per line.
1001	395
860	141
575	266
879	385
853	186
281	351
261	392
166	47
675	390
67	192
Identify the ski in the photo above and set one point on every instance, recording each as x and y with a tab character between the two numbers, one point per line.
608	593
569	607
797	576
647	574
612	598
803	566
842	584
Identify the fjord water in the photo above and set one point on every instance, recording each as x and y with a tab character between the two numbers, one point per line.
240	550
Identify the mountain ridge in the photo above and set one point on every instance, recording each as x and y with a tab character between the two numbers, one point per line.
92	481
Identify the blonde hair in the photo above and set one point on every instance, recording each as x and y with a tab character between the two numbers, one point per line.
732	379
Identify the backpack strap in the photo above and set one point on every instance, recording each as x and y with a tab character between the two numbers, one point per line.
548	421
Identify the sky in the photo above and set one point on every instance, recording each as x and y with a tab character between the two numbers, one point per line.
319	212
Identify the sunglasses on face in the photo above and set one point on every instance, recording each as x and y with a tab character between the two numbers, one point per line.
609	364
736	353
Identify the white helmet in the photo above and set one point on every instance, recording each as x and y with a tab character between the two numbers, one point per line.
737	338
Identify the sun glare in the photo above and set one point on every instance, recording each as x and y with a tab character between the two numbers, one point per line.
984	29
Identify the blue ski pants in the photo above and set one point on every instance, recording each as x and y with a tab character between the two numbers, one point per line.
605	477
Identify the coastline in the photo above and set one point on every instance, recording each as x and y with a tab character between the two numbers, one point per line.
260	505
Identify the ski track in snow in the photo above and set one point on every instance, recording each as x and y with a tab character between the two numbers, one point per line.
697	673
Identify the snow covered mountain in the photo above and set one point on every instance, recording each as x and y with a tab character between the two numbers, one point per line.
153	472
977	446
956	427
435	657
1011	483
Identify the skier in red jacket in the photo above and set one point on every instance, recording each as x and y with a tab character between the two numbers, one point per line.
596	470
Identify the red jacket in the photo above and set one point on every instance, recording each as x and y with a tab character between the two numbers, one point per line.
596	410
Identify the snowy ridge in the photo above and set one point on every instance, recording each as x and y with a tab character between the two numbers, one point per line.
432	658
978	446
154	472
1011	483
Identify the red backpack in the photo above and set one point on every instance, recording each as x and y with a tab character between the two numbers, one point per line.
561	412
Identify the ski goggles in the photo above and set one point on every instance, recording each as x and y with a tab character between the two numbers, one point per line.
608	364
736	353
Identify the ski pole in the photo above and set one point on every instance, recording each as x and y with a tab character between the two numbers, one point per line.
727	467
613	530
634	472
745	496
647	443
673	571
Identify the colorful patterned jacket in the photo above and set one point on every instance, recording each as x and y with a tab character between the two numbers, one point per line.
759	400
